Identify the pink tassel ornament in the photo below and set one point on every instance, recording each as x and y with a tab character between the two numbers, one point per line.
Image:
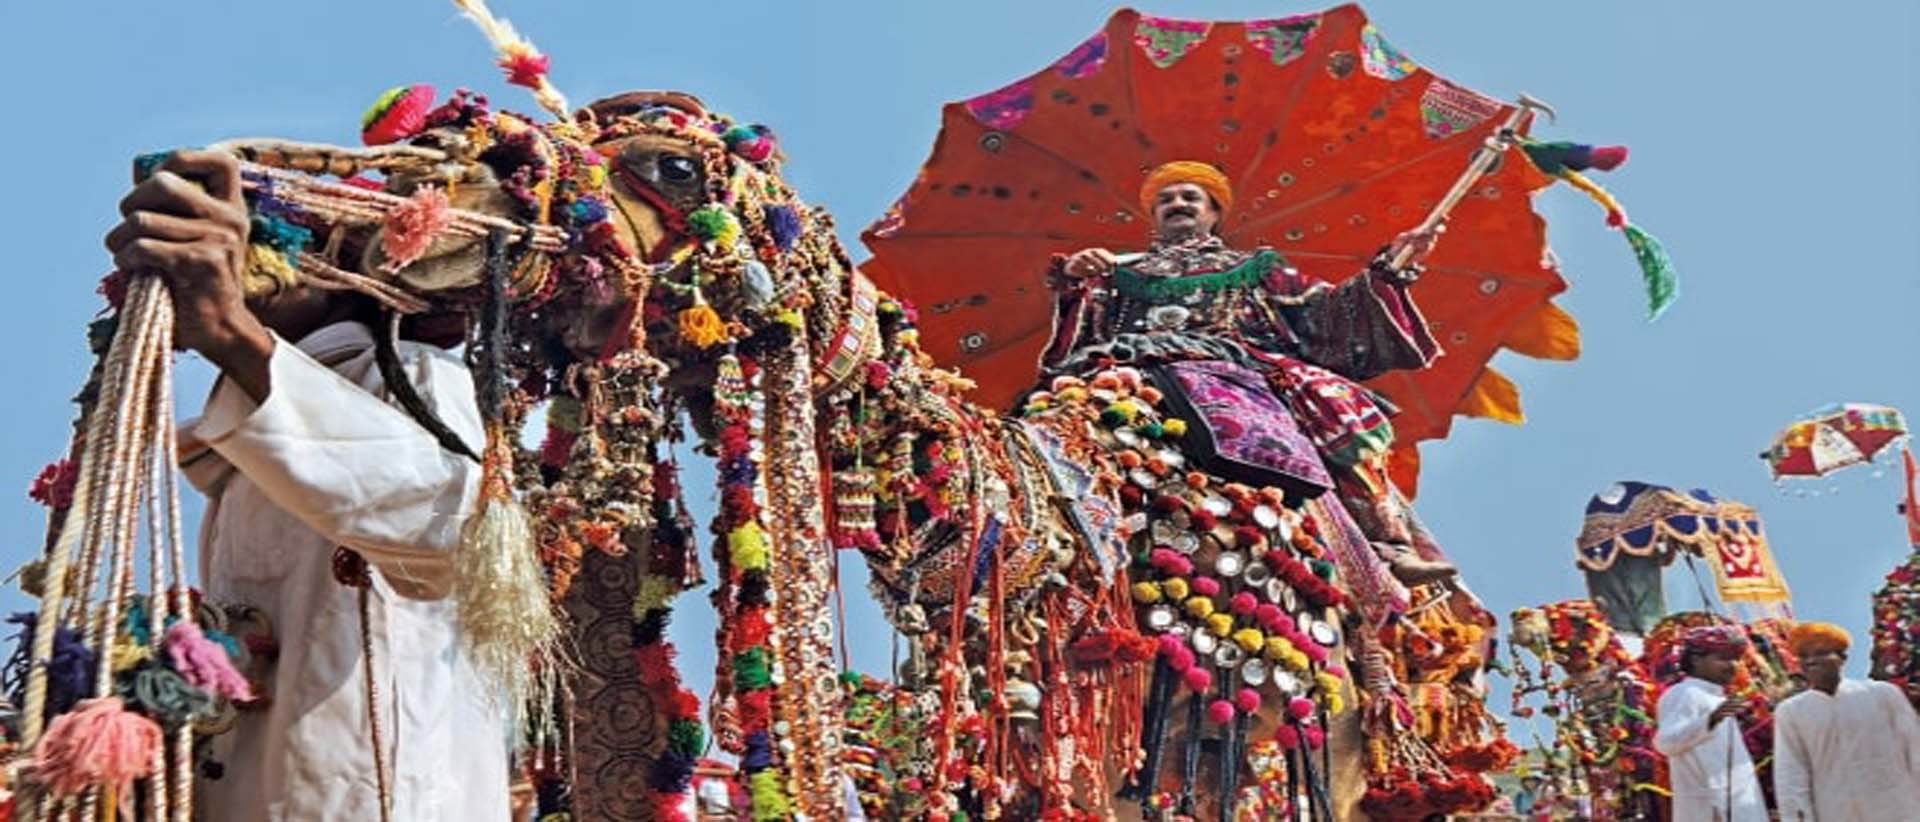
412	227
97	744
203	663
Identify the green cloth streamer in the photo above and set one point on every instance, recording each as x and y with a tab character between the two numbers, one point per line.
1656	268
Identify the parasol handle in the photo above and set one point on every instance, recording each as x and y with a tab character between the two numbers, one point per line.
1502	138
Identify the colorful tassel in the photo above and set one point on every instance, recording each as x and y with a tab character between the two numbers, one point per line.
700	326
203	663
413	226
714	224
1656	268
98	744
755	143
506	621
268	271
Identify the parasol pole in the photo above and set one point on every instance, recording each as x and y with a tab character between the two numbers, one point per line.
1503	138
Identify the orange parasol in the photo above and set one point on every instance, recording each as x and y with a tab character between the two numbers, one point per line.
1335	142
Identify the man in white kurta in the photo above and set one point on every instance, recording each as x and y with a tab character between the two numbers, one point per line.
1843	750
1713	775
302	454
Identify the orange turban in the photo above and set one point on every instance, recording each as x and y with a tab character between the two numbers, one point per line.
1186	171
1810	638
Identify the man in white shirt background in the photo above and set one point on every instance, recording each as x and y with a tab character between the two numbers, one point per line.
1844	750
1713	775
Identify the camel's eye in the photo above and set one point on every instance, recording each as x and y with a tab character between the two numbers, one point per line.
675	169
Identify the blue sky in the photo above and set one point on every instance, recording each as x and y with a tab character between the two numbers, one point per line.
1772	151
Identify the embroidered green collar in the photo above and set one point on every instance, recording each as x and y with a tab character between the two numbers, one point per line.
1133	284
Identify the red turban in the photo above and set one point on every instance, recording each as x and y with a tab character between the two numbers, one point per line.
1716	639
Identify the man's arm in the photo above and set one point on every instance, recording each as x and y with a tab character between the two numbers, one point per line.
1685	722
1792	777
354	468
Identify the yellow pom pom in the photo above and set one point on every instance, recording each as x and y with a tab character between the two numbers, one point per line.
1220	624
1250	640
700	326
748	547
1201	607
1174	427
1146	593
1175	589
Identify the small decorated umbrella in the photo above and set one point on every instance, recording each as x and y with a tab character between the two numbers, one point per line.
1634	530
1836	437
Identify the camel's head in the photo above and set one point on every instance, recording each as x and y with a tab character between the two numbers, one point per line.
739	263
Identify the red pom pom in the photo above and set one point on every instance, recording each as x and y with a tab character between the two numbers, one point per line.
1300	707
1204	520
526	68
1199	679
686	705
1206	586
1315	737
1167	504
750	628
1244	603
1247	700
1182	660
1287	737
1220	712
1606	158
756	710
399	114
1616	218
1268	615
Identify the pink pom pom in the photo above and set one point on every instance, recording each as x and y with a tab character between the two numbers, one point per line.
1616	218
1315	737
1220	712
1182	659
1170	562
1339	671
1287	737
97	744
411	227
1268	615
203	663
1315	653
1606	158
400	113
1206	586
1170	645
1247	700
1199	679
1244	603
1300	707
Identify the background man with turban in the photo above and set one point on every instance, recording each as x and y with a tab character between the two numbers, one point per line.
1844	749
1190	297
1713	775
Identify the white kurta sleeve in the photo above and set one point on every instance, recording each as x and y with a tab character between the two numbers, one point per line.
352	467
1904	724
1792	768
1683	723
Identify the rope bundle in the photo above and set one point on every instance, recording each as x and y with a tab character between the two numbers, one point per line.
88	758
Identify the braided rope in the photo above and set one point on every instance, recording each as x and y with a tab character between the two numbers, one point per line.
126	469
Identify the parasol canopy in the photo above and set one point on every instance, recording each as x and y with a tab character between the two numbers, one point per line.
1835	437
1633	530
1335	142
